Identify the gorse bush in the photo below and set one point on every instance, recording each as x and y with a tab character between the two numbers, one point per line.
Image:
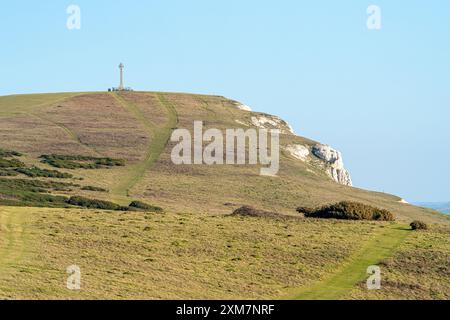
32	193
249	211
145	207
37	172
91	188
348	210
28	185
419	225
11	163
92	203
305	210
80	162
9	153
8	173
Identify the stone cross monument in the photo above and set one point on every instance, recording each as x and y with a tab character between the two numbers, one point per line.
121	86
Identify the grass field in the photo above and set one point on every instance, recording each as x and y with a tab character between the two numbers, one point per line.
195	250
135	255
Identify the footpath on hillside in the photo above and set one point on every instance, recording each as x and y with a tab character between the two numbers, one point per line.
159	139
354	270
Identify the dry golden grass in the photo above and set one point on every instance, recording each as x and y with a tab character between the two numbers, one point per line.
169	256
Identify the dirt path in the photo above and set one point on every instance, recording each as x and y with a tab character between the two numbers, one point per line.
11	237
159	139
338	285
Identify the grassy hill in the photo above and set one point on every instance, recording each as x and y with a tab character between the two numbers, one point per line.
115	147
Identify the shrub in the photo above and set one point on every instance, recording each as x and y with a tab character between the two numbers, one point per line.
145	207
419	225
348	210
9	153
248	211
13	163
80	162
8	173
92	203
90	188
305	210
37	172
29	185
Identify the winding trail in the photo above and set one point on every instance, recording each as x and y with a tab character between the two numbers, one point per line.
72	135
159	138
337	286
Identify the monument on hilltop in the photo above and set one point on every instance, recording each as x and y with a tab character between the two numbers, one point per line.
121	86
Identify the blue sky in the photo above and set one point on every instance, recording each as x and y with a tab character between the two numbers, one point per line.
380	96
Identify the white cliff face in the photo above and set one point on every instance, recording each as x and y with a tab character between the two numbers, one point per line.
334	162
298	151
244	107
272	122
330	159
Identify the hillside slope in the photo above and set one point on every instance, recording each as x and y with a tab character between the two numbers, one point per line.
116	147
136	127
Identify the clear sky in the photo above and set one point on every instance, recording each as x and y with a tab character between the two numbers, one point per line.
382	97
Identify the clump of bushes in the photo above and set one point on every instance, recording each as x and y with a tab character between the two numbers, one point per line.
32	193
348	210
305	210
418	225
91	188
80	162
11	163
92	203
248	211
138	205
8	173
32	185
9	153
37	172
106	205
